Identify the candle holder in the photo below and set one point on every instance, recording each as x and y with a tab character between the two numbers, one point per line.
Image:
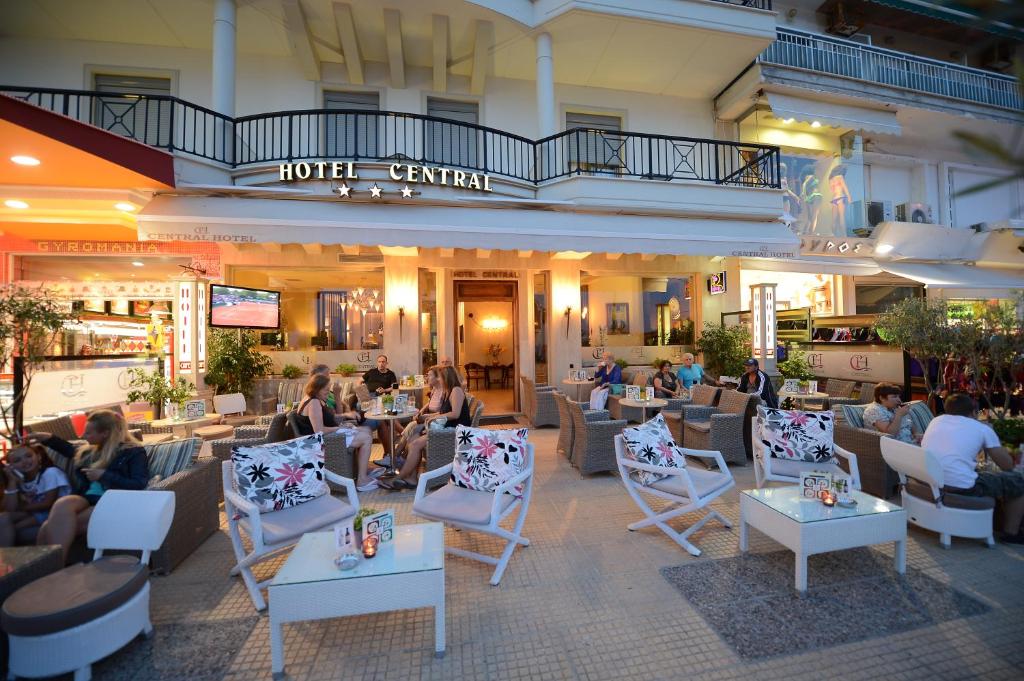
370	547
828	499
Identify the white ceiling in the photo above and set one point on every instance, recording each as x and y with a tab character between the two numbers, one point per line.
590	49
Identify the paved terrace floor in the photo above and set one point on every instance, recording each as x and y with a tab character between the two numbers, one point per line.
585	601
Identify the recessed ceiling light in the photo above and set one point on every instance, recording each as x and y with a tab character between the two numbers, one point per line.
15	203
138	263
22	160
787	121
815	124
122	205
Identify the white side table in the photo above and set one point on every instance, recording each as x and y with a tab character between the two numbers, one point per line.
407	572
644	405
807	527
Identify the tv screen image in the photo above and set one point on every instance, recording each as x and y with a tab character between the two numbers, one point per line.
238	307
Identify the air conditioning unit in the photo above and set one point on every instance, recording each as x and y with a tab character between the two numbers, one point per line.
880	211
842	22
915	212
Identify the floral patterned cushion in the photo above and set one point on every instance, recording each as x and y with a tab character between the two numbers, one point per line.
484	459
651	443
282	474
798	435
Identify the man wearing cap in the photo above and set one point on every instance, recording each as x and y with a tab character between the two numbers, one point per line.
756	381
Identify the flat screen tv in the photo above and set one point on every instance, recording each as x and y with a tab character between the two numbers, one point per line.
237	307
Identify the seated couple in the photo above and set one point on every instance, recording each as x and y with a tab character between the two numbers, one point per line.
38	495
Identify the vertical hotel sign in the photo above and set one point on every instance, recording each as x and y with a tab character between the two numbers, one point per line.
200	321
184	324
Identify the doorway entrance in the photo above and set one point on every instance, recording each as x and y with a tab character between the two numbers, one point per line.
487	316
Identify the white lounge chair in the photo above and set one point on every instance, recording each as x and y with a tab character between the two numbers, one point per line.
686	489
771	469
478	511
928	506
67	620
274	531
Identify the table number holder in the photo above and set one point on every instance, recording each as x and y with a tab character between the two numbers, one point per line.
814	484
380	525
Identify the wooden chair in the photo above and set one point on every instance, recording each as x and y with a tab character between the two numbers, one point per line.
477	511
686	489
475	372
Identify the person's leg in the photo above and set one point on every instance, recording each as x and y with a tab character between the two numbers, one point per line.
65	522
1013	513
410	471
362	443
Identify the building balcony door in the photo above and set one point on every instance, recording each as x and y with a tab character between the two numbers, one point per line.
486	346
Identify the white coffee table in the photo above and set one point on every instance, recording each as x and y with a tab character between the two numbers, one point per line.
407	572
807	527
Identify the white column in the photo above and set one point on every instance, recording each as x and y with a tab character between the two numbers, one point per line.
224	57
762	306
546	118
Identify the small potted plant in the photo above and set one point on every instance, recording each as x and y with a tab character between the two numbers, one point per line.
345	369
387	402
291	371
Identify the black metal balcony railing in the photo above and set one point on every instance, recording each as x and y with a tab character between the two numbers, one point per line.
756	4
816	52
329	134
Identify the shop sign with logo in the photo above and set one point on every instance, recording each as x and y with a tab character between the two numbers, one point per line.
485	274
716	283
836	246
408	173
858	365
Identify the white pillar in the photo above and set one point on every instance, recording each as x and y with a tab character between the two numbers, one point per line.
762	306
546	118
224	57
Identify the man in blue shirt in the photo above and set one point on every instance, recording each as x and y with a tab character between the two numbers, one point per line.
689	373
608	371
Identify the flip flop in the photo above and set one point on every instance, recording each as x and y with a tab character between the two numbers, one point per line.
396	484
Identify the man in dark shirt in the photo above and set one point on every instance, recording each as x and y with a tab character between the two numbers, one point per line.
380	380
756	381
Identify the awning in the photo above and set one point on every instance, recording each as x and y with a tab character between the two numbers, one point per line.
862	267
957	13
828	113
948	276
242	220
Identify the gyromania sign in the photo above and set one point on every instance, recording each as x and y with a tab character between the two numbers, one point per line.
399	172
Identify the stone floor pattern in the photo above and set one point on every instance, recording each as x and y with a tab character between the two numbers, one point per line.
585	601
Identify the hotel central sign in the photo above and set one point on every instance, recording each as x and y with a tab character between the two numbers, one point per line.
408	173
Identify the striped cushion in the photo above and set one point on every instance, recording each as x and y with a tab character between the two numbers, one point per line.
854	414
168	458
920	415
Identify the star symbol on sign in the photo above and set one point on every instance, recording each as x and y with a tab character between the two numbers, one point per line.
406	192
375	191
343	190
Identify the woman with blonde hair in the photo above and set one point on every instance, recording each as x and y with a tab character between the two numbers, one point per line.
454	409
112	459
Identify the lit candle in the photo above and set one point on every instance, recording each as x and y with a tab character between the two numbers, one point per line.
369	547
828	499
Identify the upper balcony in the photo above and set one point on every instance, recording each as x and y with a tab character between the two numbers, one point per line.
254	145
890	75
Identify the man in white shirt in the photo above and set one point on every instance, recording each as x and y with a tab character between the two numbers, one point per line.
955	438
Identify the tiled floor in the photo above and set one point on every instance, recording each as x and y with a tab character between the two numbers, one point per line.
585	601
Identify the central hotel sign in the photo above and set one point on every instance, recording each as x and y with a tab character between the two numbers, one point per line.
399	172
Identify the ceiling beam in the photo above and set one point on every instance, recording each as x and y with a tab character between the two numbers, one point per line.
313	249
613	256
570	255
440	53
350	249
483	253
400	251
648	257
300	39
271	247
349	42
447	252
525	254
393	38
483	47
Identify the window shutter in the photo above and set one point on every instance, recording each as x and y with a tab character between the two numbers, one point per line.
593	151
140	118
352	135
451	143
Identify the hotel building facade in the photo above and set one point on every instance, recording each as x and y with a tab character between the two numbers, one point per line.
506	181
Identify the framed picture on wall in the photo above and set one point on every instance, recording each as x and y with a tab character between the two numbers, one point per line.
618	319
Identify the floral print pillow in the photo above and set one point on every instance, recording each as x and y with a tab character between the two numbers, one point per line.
484	459
651	443
281	475
798	435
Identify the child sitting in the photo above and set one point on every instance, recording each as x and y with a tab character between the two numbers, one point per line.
33	485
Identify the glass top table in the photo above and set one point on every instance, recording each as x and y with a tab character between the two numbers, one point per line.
415	548
789	502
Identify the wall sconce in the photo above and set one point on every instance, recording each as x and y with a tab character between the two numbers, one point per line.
494	324
568	312
401	322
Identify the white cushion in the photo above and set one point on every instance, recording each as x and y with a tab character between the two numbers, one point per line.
280	475
794	468
461	505
798	435
294	522
652	443
484	459
705	482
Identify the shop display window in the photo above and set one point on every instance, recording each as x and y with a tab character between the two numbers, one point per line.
635	311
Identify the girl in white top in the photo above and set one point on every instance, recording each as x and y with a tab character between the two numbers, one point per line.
33	485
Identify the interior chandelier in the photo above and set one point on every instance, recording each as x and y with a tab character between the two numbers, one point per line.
362	299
